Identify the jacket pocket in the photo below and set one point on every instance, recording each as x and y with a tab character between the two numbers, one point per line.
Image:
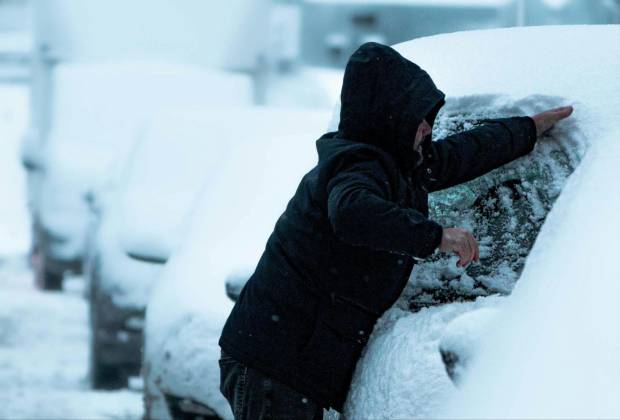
334	347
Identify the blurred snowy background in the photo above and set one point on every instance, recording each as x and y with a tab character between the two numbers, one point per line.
117	116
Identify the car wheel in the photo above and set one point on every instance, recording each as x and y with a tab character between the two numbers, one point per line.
103	375
107	377
45	279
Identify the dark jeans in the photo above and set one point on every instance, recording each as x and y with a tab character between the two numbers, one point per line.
252	395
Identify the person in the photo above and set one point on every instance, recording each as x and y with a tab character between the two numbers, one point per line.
343	250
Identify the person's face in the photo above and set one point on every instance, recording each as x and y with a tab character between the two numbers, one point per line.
424	130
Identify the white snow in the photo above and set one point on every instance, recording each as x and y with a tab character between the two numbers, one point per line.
556	349
44	354
112	101
183	152
463	338
229	230
43	336
306	87
14	221
401	374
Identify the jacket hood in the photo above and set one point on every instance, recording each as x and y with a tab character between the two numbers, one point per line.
383	100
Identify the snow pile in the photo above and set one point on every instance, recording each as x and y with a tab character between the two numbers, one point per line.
229	229
545	358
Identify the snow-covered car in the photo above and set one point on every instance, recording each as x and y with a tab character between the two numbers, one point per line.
188	307
544	224
98	109
532	218
137	219
141	221
97	69
505	208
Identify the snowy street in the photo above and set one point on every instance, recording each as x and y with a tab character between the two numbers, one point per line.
276	209
44	353
43	336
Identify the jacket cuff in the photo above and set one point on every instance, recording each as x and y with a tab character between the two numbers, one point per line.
429	239
530	129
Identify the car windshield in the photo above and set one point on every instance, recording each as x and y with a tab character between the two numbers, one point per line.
504	209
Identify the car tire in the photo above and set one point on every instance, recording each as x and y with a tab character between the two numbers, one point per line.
103	375
45	279
107	377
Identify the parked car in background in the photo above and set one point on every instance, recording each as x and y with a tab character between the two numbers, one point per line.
136	220
141	223
98	110
270	152
94	82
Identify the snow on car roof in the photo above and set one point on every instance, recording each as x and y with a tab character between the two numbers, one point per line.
107	94
557	353
98	110
182	153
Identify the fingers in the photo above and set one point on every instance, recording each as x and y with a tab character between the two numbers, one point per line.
462	243
566	112
468	250
547	119
562	112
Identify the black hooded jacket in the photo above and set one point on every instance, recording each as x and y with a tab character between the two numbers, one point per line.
343	250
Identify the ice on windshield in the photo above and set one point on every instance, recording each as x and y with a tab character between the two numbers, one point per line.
504	209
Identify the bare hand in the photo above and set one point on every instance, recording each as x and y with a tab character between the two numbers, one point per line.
547	119
462	243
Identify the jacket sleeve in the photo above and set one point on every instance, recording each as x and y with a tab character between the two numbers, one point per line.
464	156
361	213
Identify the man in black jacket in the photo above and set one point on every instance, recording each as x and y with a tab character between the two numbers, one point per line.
342	252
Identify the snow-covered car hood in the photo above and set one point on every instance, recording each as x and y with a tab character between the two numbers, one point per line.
555	351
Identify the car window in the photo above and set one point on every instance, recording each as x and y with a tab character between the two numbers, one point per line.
504	209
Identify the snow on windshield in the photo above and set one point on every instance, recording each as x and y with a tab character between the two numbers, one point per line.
504	209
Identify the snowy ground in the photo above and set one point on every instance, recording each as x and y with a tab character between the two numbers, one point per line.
44	354
14	230
43	336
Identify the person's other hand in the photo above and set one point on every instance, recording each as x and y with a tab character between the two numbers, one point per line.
462	243
547	119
